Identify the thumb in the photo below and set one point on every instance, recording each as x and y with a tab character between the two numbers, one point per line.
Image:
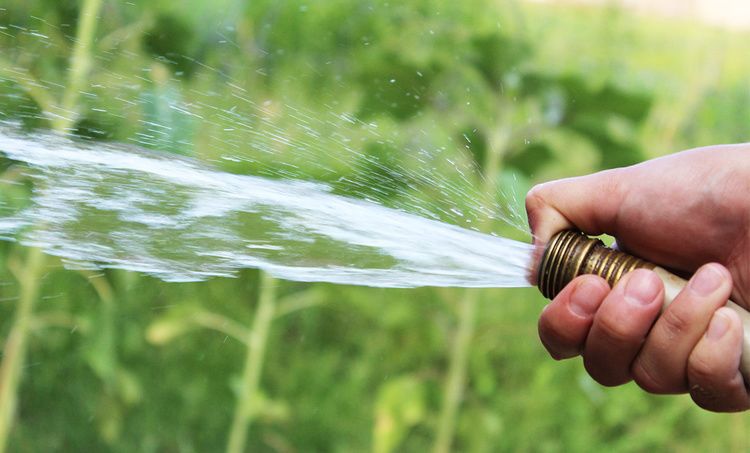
589	203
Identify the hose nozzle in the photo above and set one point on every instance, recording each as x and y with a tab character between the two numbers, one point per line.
572	253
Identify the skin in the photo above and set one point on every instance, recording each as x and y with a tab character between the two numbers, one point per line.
681	212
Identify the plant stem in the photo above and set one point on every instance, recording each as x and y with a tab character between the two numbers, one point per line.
467	317
14	353
105	331
454	387
256	347
15	345
33	88
80	65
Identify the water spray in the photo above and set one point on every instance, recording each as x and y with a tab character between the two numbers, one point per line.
572	253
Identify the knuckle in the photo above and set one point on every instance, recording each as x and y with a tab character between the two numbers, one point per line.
737	381
535	198
675	323
534	195
613	184
616	332
647	377
700	370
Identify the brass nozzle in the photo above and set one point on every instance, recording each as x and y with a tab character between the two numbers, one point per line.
572	253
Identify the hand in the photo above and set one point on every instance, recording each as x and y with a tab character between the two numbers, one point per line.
679	211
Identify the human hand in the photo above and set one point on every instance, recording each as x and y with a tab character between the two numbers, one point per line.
679	211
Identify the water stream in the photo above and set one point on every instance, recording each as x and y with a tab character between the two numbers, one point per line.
100	205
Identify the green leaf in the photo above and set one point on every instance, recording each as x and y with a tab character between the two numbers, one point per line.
530	159
400	405
172	41
395	88
475	141
496	55
165	330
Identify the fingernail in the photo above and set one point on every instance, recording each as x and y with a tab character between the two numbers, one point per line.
585	299
642	288
718	327
706	281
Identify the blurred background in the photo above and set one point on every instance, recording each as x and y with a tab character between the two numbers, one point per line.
502	95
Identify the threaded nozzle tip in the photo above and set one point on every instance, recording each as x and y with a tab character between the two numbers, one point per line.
572	253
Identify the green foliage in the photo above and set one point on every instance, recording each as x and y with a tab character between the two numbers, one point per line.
398	408
400	102
171	40
594	113
496	55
